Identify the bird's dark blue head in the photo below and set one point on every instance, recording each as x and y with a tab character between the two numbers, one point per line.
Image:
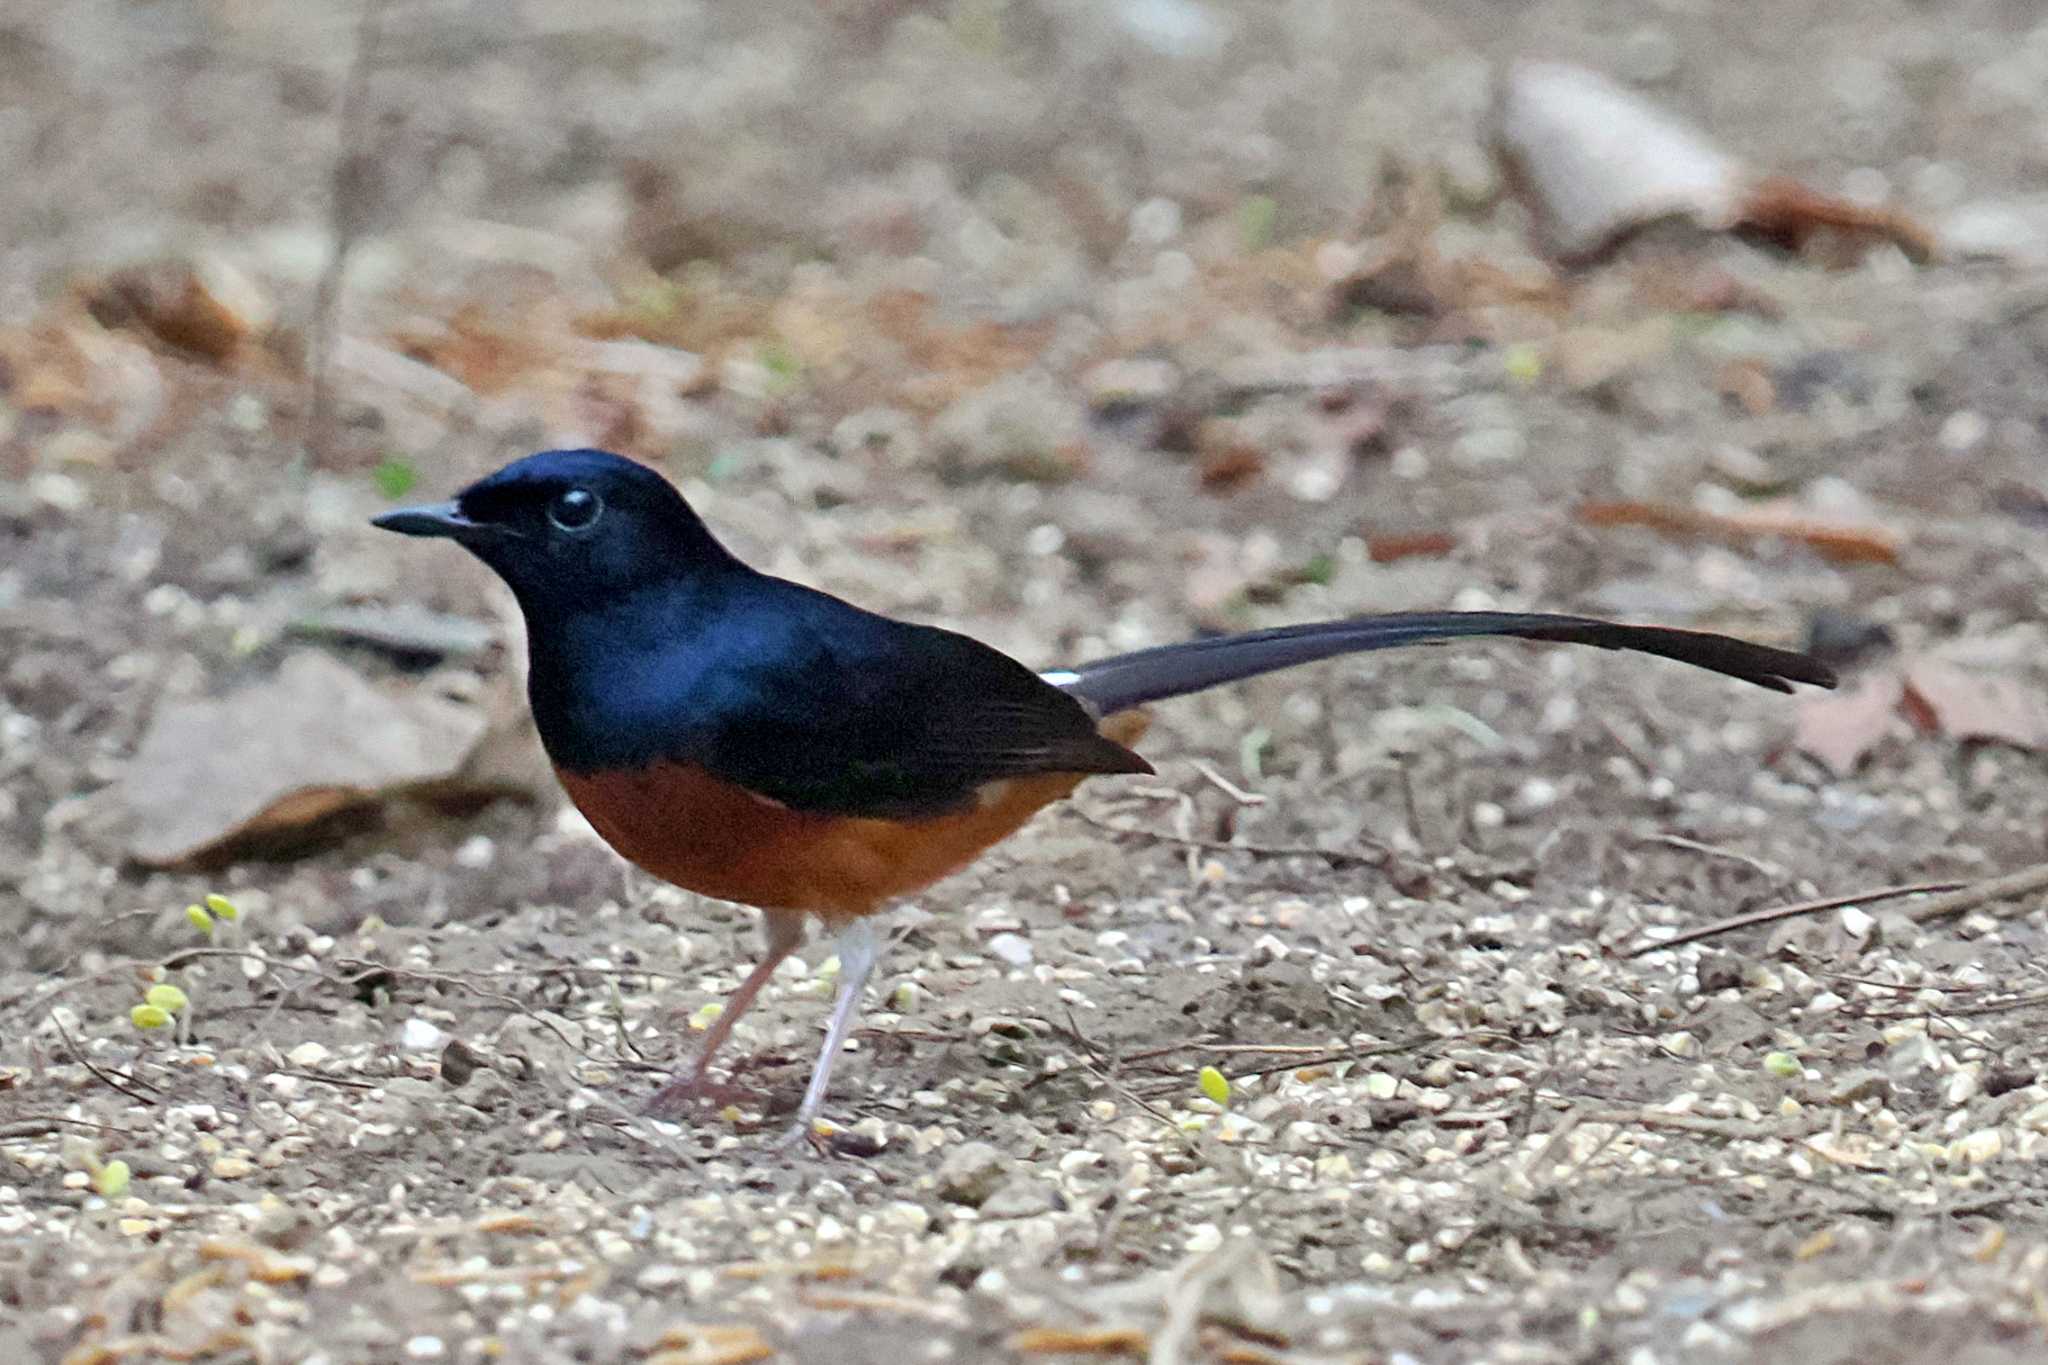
566	528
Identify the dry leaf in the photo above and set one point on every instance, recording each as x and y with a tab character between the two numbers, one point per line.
1948	699
1839	728
1410	545
1791	215
204	306
731	1343
1937	695
284	754
1748	381
1598	162
1099	1341
1843	542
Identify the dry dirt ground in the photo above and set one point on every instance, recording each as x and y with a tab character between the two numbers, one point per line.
1393	901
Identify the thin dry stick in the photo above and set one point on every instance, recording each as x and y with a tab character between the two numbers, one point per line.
1982	893
1771	870
345	215
1336	857
1778	912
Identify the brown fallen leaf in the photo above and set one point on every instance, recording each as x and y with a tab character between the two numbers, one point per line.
263	1264
1843	542
729	1343
283	754
1389	549
1928	692
204	306
1099	1341
1228	462
1839	728
1788	214
1945	698
1747	381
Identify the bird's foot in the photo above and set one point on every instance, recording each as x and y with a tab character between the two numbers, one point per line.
684	1092
801	1132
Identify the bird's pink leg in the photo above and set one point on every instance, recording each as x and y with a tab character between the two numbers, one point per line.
785	933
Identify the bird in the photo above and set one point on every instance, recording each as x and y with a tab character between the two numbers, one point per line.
759	741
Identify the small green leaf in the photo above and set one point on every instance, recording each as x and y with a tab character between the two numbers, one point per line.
779	360
1523	362
111	1180
167	998
1256	217
1782	1064
149	1016
1214	1084
199	919
395	477
1320	569
706	1015
222	906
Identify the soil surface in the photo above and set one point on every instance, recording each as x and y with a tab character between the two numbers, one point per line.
1027	317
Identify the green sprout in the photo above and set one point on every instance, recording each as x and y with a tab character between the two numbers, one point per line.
204	915
163	1005
1523	362
785	368
111	1180
1256	218
168	998
1215	1086
394	477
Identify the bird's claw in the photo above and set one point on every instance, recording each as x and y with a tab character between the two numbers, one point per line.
682	1092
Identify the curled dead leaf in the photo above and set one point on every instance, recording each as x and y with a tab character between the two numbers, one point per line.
205	306
1597	162
1945	698
1937	695
280	755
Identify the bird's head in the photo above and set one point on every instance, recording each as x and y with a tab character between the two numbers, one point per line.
566	527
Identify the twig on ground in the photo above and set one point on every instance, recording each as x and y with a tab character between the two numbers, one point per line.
1751	918
104	1076
1755	864
1968	898
1336	857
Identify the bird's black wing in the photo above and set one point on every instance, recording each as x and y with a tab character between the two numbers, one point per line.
855	714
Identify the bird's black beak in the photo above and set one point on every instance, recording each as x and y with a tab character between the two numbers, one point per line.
432	519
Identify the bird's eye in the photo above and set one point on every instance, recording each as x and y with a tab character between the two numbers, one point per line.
575	510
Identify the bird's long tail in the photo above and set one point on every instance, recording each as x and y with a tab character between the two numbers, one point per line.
1127	680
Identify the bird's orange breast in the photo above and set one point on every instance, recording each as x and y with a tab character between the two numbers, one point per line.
705	834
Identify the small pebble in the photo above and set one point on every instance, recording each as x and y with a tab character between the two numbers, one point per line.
1014	949
418	1035
970	1173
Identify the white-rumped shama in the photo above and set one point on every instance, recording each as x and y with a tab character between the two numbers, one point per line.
751	739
